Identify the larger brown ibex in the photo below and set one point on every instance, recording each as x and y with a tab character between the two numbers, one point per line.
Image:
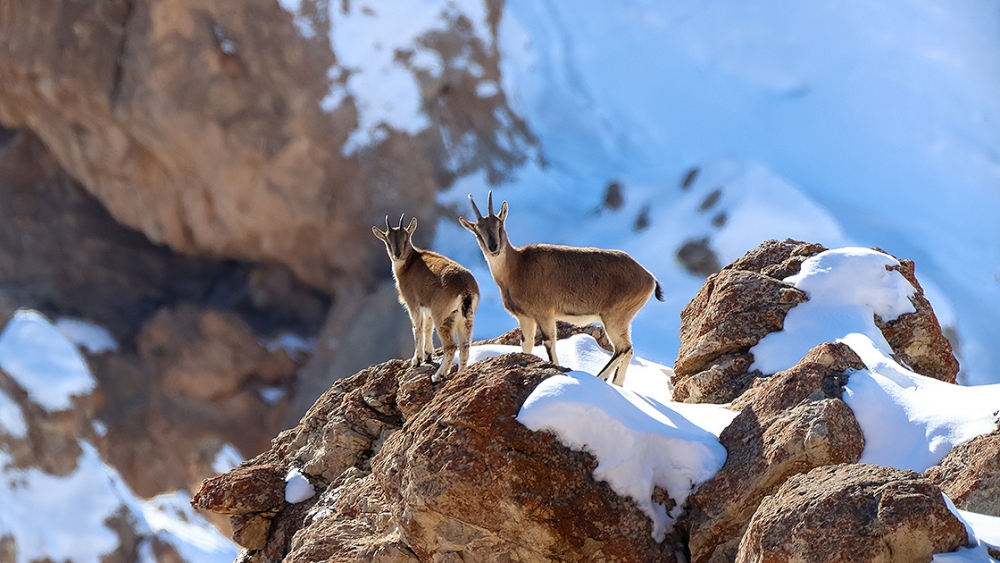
542	283
436	291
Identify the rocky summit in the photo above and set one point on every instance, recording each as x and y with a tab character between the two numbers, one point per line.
407	471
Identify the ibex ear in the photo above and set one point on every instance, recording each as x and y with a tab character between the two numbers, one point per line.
412	226
465	223
378	233
503	212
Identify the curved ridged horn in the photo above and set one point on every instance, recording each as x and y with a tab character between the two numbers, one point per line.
387	226
490	205
401	215
474	208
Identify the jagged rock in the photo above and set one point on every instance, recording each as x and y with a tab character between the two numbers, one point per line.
917	338
776	259
412	471
363	328
731	312
970	474
202	125
789	423
243	490
858	513
729	315
747	300
465	477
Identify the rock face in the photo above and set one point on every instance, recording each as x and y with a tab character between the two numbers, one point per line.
729	315
748	300
203	124
790	423
410	471
970	474
893	516
917	338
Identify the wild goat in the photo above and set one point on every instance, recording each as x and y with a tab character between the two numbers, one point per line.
542	283
434	289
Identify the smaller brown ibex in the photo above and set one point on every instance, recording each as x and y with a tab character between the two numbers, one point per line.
542	283
437	292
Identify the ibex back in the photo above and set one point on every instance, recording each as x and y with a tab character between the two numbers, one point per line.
434	289
542	283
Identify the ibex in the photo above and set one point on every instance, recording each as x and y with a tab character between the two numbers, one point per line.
542	283
434	289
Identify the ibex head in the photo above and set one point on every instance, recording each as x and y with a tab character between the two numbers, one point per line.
489	230
397	239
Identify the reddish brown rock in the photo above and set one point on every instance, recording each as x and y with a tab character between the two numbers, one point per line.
790	423
729	315
411	471
748	300
243	490
465	477
777	260
853	513
970	474
917	338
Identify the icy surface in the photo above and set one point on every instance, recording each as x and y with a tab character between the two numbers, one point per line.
89	336
846	288
42	361
640	441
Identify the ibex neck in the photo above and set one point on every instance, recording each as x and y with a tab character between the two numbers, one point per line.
503	264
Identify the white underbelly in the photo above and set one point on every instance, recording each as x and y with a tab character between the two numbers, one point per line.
580	320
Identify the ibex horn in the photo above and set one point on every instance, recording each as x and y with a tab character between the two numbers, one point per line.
387	227
474	208
401	220
491	203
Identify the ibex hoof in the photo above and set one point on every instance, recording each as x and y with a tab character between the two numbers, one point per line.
415	362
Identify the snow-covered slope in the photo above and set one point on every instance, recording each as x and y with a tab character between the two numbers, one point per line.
78	516
843	123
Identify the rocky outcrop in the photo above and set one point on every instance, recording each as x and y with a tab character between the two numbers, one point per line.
729	315
970	474
789	424
917	338
893	516
408	471
216	128
747	300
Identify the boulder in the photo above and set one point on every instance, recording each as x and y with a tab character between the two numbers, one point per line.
731	312
465	478
748	299
789	423
970	474
856	512
407	471
917	339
